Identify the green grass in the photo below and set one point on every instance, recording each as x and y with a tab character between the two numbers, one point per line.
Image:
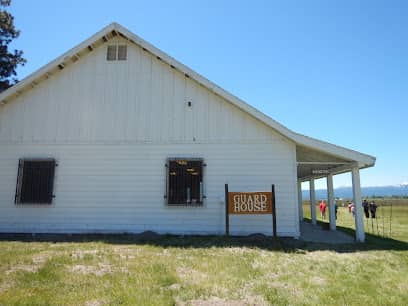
125	270
391	219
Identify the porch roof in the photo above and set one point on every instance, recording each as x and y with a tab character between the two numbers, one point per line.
314	163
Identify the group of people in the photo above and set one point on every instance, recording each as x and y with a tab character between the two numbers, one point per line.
369	208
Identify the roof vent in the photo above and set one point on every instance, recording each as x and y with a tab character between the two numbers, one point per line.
116	52
122	52
111	54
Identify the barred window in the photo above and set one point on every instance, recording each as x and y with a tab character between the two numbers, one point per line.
185	182
35	181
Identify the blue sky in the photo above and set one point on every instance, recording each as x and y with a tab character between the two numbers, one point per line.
333	70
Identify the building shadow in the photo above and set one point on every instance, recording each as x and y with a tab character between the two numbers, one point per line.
255	241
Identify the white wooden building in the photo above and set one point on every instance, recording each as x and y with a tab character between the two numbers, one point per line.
89	144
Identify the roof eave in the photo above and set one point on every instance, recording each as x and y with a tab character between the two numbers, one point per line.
363	160
54	63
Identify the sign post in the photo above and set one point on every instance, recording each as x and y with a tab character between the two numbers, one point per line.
250	203
274	212
226	212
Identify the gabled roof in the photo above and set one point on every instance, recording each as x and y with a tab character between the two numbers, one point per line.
71	56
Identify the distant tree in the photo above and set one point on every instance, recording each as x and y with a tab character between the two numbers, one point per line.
9	60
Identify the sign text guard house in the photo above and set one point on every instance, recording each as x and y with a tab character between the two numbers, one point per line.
250	203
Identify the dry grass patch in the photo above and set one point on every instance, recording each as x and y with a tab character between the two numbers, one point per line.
25	268
94	303
215	301
200	271
191	276
99	270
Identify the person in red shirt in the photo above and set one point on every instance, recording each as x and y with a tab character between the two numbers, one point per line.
322	207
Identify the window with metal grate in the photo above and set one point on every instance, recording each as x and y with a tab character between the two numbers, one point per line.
35	181
185	182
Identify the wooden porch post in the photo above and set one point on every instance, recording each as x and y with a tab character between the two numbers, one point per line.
300	201
312	201
330	198
355	175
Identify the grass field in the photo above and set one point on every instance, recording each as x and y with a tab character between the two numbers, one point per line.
125	270
391	218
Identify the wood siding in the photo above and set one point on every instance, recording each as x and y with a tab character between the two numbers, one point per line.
141	99
111	125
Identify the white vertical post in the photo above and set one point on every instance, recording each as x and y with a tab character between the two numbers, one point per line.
312	201
300	201
330	200
355	175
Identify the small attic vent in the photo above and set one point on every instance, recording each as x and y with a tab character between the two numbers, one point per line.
122	52
116	52
111	54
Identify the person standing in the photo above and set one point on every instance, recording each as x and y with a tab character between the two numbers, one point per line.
353	209
335	209
366	208
322	207
373	209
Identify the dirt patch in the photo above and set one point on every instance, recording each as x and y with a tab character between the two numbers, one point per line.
126	256
126	252
175	287
401	286
190	275
80	254
5	286
25	268
94	303
237	250
287	288
38	262
41	258
215	301
99	270
318	280
258	264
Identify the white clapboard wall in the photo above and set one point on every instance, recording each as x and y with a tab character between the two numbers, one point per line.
111	125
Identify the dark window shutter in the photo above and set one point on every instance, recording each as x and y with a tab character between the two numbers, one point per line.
35	181
19	180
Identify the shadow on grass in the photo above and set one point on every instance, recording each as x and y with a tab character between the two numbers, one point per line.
256	241
373	242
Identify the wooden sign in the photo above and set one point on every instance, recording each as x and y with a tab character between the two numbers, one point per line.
250	203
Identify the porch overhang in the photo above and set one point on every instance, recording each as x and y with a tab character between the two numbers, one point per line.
323	160
314	163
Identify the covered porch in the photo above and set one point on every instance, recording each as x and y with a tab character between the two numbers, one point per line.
326	162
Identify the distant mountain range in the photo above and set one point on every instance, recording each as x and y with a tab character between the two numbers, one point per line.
347	193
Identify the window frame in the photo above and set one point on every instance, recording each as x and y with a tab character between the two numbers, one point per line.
125	53
115	53
20	182
116	47
202	195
